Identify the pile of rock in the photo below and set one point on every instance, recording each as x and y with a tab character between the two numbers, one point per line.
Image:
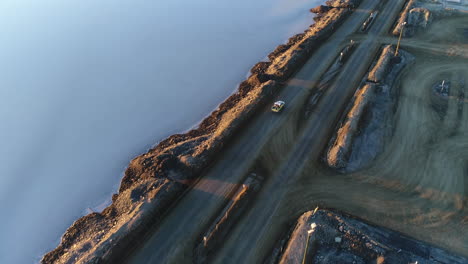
332	237
411	19
362	131
419	17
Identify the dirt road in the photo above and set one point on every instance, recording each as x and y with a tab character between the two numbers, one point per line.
253	234
174	239
286	146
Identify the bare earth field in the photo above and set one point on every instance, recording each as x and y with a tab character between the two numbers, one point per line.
417	184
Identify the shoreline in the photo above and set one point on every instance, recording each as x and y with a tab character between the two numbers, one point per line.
154	181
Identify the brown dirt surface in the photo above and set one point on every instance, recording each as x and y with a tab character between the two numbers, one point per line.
154	180
320	9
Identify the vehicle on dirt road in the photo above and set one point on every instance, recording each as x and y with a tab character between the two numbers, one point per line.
277	106
365	26
344	54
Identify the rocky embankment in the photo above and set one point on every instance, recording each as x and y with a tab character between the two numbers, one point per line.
332	237
155	180
362	131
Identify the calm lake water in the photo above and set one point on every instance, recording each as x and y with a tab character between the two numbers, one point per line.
87	85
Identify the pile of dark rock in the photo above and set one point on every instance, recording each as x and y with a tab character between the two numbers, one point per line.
327	236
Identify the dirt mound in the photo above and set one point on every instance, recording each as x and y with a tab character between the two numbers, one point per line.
383	65
320	9
339	153
332	237
419	17
362	132
403	18
342	3
416	17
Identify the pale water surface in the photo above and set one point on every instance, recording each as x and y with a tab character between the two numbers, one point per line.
86	85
